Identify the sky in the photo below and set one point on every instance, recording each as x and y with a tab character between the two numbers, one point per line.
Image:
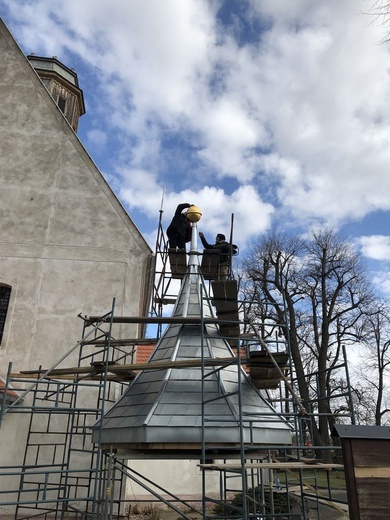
275	111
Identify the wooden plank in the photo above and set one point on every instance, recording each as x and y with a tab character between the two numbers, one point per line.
350	479
178	262
273	465
193	320
210	263
99	377
373	473
262	370
378	453
118	369
367	471
166	301
373	496
225	305
230	330
225	290
228	316
123	342
261	355
308	460
268	384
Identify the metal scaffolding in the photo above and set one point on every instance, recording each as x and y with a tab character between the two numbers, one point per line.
64	473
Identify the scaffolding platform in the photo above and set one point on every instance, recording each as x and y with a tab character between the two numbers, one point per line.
210	263
225	301
263	371
66	402
178	262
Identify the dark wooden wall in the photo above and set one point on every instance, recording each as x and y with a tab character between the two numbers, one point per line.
367	471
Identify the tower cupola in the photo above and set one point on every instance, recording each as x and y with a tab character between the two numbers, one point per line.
62	84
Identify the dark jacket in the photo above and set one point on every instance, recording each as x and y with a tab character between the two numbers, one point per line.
179	224
224	248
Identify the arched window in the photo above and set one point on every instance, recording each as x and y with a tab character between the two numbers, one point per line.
5	295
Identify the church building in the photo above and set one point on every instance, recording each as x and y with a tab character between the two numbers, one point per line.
67	245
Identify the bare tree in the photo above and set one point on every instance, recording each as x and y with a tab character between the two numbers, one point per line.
380	13
375	332
317	289
364	401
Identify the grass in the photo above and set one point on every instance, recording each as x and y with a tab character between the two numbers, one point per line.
317	477
282	501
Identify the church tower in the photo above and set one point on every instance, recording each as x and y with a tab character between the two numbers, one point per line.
62	83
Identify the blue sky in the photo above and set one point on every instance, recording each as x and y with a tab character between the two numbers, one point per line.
276	111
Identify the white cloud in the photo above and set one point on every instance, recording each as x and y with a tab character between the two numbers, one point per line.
249	213
381	281
376	247
97	138
300	110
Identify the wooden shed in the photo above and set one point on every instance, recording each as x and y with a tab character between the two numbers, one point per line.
366	454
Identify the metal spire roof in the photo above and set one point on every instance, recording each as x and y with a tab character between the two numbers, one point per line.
162	411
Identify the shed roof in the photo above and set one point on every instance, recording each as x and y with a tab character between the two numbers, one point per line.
361	431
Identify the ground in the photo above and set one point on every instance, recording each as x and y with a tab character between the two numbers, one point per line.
325	512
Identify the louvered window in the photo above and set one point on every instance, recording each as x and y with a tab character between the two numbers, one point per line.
5	294
62	104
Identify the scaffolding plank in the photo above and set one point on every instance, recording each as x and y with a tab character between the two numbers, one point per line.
273	465
166	301
122	342
178	262
265	384
225	290
210	263
262	371
229	315
222	306
118	369
226	305
230	330
261	357
193	320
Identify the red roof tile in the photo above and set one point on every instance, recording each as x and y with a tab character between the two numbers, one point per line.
143	353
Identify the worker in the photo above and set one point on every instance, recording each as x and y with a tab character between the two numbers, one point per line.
179	230
224	257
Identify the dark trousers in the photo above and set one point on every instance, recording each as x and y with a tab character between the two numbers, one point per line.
175	240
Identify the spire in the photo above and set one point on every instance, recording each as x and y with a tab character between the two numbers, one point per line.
162	412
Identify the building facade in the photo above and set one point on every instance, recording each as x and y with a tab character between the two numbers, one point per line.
67	245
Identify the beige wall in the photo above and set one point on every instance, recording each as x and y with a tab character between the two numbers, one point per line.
67	246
